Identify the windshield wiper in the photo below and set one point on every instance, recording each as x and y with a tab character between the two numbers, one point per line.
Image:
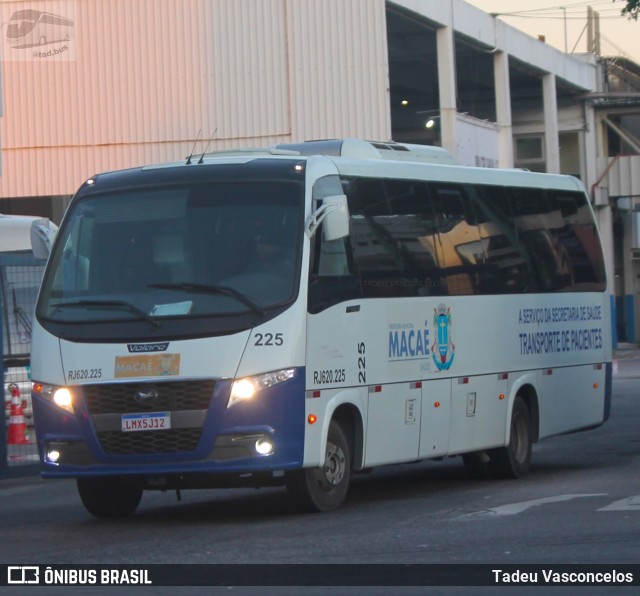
212	289
118	304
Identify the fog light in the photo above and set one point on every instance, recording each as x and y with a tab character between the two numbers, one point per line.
264	446
53	455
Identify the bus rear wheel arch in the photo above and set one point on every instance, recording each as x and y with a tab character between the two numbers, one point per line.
514	460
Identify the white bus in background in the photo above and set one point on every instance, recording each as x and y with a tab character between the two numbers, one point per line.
20	276
298	314
29	28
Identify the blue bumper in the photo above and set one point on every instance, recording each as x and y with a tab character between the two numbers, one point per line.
224	441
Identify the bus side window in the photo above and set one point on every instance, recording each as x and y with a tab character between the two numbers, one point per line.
331	276
534	220
416	237
588	234
461	249
507	263
575	233
332	260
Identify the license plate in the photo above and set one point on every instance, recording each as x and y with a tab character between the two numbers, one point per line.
151	421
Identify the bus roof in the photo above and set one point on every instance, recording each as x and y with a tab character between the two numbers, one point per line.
15	232
372	158
359	149
458	174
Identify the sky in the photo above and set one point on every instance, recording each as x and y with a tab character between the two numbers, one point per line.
619	36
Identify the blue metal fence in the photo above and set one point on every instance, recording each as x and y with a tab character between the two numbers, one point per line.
20	277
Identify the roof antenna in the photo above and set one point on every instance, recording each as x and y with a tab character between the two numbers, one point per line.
194	148
207	147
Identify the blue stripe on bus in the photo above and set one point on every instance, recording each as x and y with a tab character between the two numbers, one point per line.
608	389
278	411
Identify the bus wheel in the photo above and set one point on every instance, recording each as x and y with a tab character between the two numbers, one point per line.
325	488
475	465
109	497
514	460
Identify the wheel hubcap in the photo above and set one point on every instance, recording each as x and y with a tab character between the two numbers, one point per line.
334	464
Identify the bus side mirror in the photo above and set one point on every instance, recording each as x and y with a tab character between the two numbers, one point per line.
334	214
42	234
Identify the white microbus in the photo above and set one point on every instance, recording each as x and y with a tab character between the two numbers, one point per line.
297	314
28	28
20	276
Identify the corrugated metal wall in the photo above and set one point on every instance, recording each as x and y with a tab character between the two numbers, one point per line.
146	76
339	69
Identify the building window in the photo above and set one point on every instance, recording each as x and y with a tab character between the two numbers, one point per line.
530	153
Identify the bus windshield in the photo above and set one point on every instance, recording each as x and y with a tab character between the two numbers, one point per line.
183	261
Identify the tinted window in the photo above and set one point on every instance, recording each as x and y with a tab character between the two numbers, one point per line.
416	238
462	251
534	220
394	238
508	266
192	259
415	232
332	277
578	238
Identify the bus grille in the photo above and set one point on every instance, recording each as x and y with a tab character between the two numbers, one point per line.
172	396
147	442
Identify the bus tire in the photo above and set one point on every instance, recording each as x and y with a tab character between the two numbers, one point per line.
325	488
109	497
514	460
475	465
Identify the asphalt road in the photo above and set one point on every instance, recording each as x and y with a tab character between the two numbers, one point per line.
580	504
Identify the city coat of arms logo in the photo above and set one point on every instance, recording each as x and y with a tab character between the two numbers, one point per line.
442	348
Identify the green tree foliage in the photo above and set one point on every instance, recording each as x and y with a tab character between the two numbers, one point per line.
632	9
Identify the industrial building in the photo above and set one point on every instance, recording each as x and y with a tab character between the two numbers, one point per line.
94	86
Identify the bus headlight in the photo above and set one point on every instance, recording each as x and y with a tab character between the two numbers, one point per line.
248	387
61	396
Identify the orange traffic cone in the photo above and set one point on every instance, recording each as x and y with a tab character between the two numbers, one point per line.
17	433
